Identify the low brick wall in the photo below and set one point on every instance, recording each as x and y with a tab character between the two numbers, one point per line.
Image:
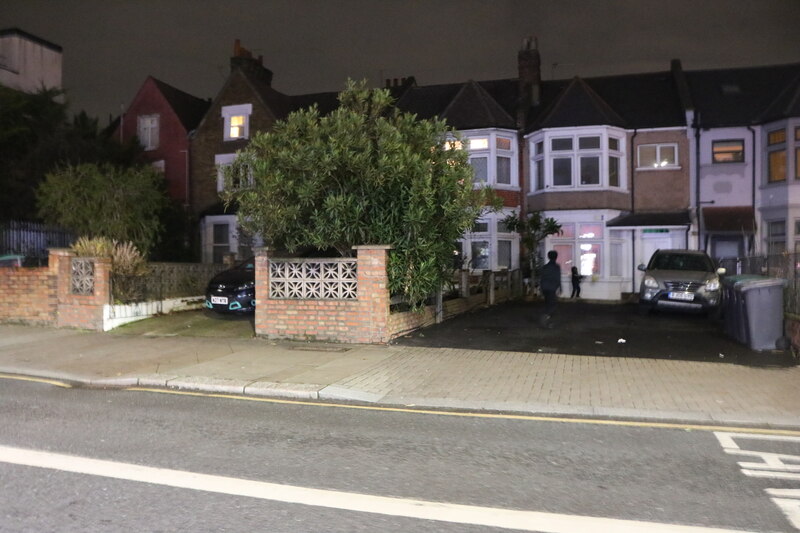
407	321
28	296
360	320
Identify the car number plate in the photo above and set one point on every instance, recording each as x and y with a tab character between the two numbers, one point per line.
684	296
219	300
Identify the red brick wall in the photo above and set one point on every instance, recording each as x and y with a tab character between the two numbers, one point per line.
28	296
79	310
363	320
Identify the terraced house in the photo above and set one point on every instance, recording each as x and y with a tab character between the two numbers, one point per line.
627	164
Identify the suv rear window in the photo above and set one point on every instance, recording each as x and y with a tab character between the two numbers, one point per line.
681	262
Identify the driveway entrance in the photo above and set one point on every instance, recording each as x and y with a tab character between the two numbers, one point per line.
592	329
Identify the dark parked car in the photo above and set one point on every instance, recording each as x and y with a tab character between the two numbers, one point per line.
233	290
681	279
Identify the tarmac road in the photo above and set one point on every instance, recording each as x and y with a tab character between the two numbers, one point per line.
582	328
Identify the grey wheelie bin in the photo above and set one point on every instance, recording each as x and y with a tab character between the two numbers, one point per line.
762	302
733	307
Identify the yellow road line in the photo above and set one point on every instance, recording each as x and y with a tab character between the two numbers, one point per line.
55	382
497	416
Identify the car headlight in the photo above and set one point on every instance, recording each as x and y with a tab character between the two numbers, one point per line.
712	285
246	286
650	282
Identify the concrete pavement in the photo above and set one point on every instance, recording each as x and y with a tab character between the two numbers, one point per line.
532	383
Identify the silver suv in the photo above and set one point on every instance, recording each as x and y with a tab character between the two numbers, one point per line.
681	279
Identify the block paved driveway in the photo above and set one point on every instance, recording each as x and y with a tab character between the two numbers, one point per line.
592	329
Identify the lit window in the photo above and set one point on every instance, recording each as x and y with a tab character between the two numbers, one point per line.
148	131
236	130
776	137
728	151
237	121
776	162
479	144
658	156
503	144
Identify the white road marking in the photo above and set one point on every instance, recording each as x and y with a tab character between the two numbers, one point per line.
349	501
774	465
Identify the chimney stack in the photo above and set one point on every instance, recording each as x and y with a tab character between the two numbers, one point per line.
530	71
243	60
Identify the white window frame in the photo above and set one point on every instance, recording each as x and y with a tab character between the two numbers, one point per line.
543	158
221	161
230	111
658	147
147	129
491	153
493	234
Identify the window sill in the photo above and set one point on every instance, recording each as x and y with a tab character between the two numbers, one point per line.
657	169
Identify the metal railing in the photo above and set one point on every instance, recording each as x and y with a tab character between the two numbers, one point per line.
32	240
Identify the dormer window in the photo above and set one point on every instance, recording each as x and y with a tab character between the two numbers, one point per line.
236	120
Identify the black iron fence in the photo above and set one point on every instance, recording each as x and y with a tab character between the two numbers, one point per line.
164	281
32	240
785	266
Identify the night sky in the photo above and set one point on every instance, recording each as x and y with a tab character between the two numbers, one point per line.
111	46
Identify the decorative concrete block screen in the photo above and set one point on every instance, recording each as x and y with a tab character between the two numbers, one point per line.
313	279
82	276
338	299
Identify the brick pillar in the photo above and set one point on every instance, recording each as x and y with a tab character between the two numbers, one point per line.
373	291
262	290
84	311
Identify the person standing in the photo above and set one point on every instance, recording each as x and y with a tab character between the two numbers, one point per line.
576	283
550	284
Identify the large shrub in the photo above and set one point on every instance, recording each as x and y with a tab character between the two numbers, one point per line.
364	174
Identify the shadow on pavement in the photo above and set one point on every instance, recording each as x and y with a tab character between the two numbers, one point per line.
582	328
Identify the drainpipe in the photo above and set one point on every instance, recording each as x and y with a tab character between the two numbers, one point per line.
753	191
633	209
696	126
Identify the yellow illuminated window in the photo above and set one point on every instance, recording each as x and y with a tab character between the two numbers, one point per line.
237	126
479	144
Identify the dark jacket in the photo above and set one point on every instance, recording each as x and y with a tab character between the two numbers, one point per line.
551	277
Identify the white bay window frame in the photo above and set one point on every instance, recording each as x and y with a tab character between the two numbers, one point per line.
495	148
483	245
577	159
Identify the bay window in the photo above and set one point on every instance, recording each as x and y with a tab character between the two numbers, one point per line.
580	245
490	245
587	158
776	156
492	155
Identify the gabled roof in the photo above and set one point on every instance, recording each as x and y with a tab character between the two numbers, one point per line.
189	109
649	100
464	106
578	105
744	96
